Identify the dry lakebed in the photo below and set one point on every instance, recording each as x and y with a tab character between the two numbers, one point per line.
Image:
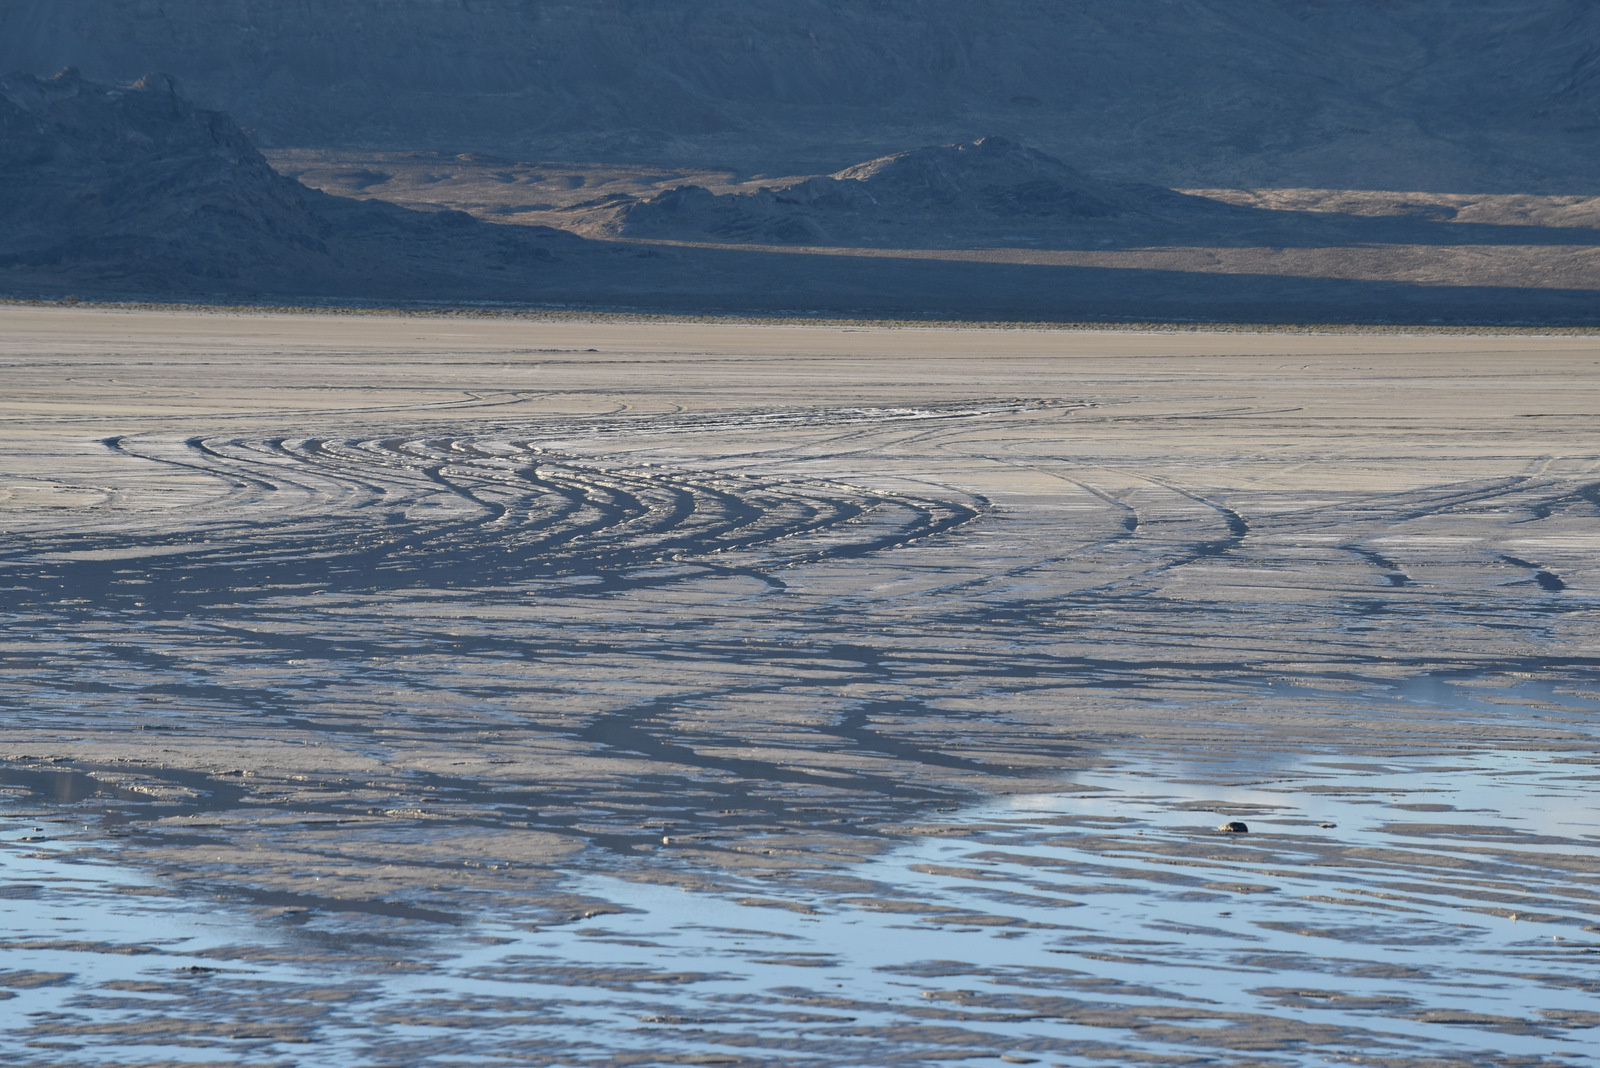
391	690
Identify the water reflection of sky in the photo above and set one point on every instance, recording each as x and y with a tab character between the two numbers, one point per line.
1112	917
1534	793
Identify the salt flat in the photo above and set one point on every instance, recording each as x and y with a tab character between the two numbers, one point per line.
377	626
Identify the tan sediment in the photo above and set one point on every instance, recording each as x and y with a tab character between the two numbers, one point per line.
1424	451
757	720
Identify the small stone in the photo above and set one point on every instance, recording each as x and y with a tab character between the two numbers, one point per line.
1234	827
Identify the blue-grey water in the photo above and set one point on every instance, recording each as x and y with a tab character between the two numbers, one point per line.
1417	909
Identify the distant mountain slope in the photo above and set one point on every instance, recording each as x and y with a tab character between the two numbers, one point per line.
990	189
133	192
137	176
134	186
1464	95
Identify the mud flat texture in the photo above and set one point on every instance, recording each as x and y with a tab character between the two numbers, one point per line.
439	690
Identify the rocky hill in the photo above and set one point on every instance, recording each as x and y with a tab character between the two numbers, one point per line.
987	191
1447	95
134	189
136	178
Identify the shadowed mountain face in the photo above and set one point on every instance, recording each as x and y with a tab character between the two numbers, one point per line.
137	187
97	173
1454	95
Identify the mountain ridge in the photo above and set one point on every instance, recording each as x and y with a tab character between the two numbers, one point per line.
133	192
970	190
136	185
1449	95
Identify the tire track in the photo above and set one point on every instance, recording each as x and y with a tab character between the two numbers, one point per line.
350	517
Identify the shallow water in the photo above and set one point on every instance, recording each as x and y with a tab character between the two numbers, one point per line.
1419	910
380	657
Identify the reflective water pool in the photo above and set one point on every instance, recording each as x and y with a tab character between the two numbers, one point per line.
1398	911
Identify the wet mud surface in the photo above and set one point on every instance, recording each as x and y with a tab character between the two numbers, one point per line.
406	691
1107	921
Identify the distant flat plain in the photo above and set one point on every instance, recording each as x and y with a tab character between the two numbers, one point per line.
1515	242
378	613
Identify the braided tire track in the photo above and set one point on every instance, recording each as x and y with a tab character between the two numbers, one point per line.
387	514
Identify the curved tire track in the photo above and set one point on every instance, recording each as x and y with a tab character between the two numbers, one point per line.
370	516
